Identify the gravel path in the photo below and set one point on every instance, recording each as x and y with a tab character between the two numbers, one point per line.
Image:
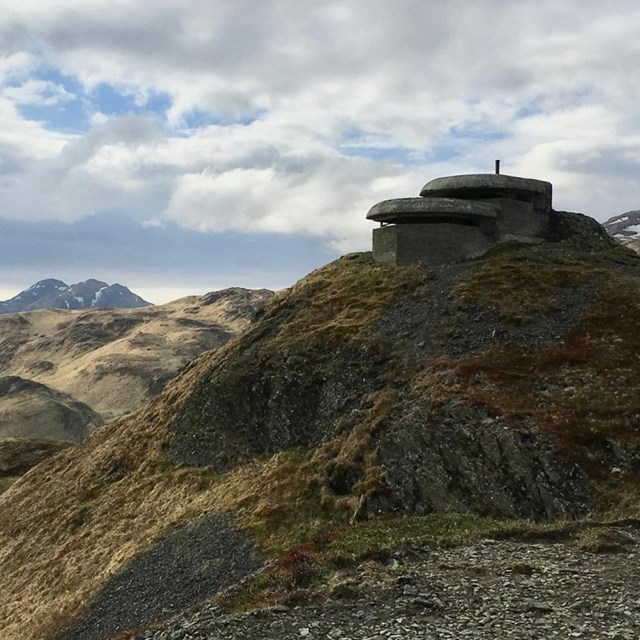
493	589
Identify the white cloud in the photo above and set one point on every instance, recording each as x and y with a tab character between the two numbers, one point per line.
37	92
321	110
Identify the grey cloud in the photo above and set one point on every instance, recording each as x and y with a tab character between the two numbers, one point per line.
445	82
13	162
129	130
387	67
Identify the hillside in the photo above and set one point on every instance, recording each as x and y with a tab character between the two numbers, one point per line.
115	360
505	389
18	455
31	409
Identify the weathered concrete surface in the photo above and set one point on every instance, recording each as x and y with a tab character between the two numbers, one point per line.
429	244
461	217
521	221
489	185
407	210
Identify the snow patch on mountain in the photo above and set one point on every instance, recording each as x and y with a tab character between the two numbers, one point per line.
56	294
625	228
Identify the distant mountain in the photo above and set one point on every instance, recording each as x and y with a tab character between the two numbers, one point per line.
625	228
55	294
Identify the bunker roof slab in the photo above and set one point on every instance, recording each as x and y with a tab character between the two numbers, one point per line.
473	185
410	210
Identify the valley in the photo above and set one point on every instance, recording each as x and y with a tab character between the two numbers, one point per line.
65	373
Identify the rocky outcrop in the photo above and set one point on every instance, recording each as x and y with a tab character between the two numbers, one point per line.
458	459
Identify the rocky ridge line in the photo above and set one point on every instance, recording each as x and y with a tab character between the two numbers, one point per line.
55	294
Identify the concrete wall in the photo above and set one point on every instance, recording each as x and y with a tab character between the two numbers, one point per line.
428	243
519	220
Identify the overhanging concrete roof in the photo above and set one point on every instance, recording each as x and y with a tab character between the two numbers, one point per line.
424	209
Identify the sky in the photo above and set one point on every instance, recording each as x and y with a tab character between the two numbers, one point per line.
182	146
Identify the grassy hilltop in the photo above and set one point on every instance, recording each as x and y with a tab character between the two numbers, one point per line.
361	409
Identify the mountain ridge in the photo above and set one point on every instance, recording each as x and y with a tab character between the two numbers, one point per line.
51	293
63	373
625	229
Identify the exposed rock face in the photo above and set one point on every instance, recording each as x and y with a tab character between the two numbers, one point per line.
475	464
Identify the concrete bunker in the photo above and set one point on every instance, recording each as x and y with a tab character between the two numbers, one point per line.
461	217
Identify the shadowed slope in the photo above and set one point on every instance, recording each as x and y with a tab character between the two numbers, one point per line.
18	455
32	410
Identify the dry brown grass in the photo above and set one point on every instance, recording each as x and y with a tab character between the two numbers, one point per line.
6	482
336	303
68	529
109	358
519	287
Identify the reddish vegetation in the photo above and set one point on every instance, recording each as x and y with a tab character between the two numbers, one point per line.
584	390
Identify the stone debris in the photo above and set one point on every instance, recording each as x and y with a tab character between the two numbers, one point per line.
504	589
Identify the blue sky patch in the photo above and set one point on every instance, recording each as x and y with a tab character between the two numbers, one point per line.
108	100
70	115
67	117
73	115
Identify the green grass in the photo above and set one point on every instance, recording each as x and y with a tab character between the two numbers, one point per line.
441	530
314	568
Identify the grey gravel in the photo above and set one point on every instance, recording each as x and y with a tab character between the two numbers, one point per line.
191	564
437	329
493	589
